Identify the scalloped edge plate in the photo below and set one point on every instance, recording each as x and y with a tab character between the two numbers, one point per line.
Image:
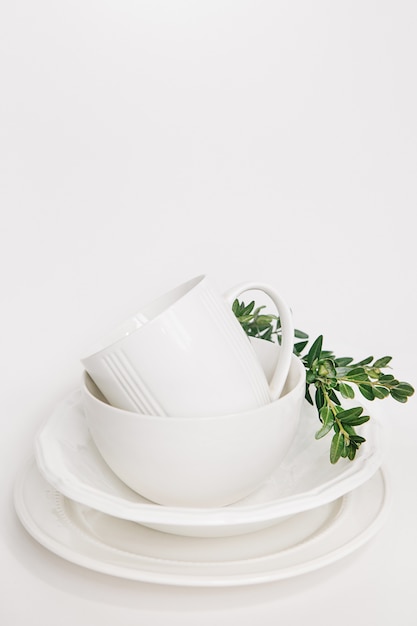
94	540
69	460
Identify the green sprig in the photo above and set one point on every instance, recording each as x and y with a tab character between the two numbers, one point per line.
329	380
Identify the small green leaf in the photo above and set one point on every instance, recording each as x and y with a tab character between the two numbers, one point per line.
346	390
299	334
326	354
267	335
314	351
299	347
366	361
336	447
347	414
367	392
386	378
358	420
310	377
319	398
357	373
343	361
326	414
381	392
398	396
351	452
405	388
344	452
256	312
334	397
236	307
374	372
327	419
357	439
248	309
265	320
323	431
382	362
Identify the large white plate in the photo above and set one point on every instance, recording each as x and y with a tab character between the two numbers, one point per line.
69	460
106	544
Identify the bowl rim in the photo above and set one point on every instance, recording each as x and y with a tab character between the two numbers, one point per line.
294	391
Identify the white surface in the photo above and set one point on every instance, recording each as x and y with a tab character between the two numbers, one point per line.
103	543
145	142
68	459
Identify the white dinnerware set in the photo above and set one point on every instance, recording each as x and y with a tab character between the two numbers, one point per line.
187	455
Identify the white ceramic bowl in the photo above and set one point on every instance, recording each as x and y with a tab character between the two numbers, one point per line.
198	461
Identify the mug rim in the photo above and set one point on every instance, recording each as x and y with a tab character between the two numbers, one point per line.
189	285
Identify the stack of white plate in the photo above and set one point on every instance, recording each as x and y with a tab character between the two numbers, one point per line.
307	515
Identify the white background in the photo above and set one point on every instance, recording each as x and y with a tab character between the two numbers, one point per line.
145	142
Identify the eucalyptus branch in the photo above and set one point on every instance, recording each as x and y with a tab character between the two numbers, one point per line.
329	380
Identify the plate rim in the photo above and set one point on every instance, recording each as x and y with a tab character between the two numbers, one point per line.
132	572
360	470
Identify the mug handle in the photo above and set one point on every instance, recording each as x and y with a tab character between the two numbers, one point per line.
287	343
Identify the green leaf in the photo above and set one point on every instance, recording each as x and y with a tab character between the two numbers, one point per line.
398	396
357	439
264	320
366	361
326	354
299	334
349	429
336	447
382	362
374	372
327	419
358	421
310	377
381	392
367	392
357	373
405	388
248	309
267	335
323	430
236	307
299	347
245	319
343	361
346	415
333	397
256	312
315	350
351	452
346	390
319	398
386	378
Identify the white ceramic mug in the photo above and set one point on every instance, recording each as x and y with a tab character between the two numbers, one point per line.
186	354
